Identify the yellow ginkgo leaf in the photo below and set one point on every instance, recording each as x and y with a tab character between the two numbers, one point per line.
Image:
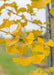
15	59
38	48
30	38
29	8
49	43
23	23
39	71
18	30
52	10
8	23
51	69
47	1
52	1
23	61
37	32
11	49
12	41
23	16
2	40
47	70
21	49
36	59
9	13
19	60
22	9
40	40
47	22
39	3
46	50
37	21
26	61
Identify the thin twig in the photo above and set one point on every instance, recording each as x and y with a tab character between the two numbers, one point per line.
30	20
7	32
21	38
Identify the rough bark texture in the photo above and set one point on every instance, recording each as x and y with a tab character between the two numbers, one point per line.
52	37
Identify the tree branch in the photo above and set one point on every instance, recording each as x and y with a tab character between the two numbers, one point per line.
30	20
41	65
7	32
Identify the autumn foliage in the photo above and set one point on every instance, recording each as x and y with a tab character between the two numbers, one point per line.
19	43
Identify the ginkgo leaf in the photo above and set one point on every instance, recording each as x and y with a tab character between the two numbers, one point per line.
39	3
37	21
11	49
39	71
52	10
9	13
47	70
36	32
30	38
26	61
2	7
47	1
49	43
18	30
36	59
44	60
29	8
26	32
40	40
6	23
23	61
52	1
51	69
47	22
21	49
17	11
38	48
46	50
13	4
23	23
22	9
15	59
23	17
11	41
4	0
0	13
18	60
2	40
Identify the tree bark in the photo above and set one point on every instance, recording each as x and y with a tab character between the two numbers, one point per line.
52	37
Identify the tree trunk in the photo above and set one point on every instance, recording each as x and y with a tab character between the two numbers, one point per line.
52	37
